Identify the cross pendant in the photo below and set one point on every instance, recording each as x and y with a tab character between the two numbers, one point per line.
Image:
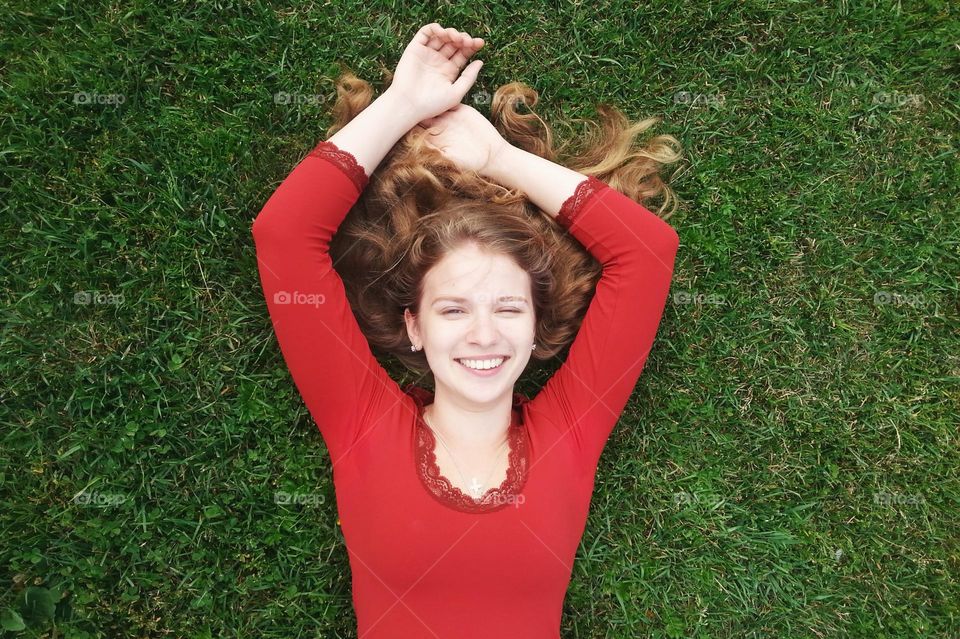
475	487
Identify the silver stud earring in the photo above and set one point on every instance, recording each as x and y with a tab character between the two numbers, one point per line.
533	347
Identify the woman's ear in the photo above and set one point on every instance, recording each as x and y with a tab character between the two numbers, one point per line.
413	332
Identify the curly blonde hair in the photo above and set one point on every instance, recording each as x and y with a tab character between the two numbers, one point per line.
418	207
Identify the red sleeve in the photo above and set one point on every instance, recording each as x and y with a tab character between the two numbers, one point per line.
636	248
340	380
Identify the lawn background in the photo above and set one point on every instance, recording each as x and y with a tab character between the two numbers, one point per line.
787	465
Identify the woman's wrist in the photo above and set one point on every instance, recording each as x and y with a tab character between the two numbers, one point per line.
371	134
547	184
402	112
498	166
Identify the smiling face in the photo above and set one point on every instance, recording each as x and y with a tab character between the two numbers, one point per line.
494	315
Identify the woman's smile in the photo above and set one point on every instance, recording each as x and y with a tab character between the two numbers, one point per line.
481	366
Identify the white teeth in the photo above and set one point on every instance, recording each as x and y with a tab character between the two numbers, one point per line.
483	364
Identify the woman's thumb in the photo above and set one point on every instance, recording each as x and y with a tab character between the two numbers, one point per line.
467	78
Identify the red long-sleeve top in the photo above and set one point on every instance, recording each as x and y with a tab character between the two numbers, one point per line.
426	559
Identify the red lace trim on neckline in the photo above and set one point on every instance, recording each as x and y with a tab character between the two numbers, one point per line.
572	207
344	159
449	495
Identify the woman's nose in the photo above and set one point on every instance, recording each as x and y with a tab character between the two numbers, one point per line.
483	329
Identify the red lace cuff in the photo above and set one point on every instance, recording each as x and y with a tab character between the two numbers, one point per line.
574	205
344	160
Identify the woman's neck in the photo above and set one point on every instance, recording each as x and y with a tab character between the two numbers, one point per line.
474	432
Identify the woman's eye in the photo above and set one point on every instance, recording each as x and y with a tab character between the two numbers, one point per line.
457	310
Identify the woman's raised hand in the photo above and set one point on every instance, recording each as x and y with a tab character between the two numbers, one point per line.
465	137
428	76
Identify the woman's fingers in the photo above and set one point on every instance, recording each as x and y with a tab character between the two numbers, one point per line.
427	34
454	45
460	57
470	46
453	42
459	38
437	39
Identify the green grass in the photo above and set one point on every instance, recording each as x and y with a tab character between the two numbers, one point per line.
787	466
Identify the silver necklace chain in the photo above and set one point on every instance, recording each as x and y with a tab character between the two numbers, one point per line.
475	487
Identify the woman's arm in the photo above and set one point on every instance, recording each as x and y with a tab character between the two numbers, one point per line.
342	384
584	399
328	357
466	138
374	131
546	183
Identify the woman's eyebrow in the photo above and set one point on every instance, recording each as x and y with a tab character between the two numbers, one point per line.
462	300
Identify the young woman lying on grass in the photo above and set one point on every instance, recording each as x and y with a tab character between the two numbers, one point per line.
470	251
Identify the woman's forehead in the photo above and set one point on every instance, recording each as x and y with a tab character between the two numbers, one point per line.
469	261
484	284
482	298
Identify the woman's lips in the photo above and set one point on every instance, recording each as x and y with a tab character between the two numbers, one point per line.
490	372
